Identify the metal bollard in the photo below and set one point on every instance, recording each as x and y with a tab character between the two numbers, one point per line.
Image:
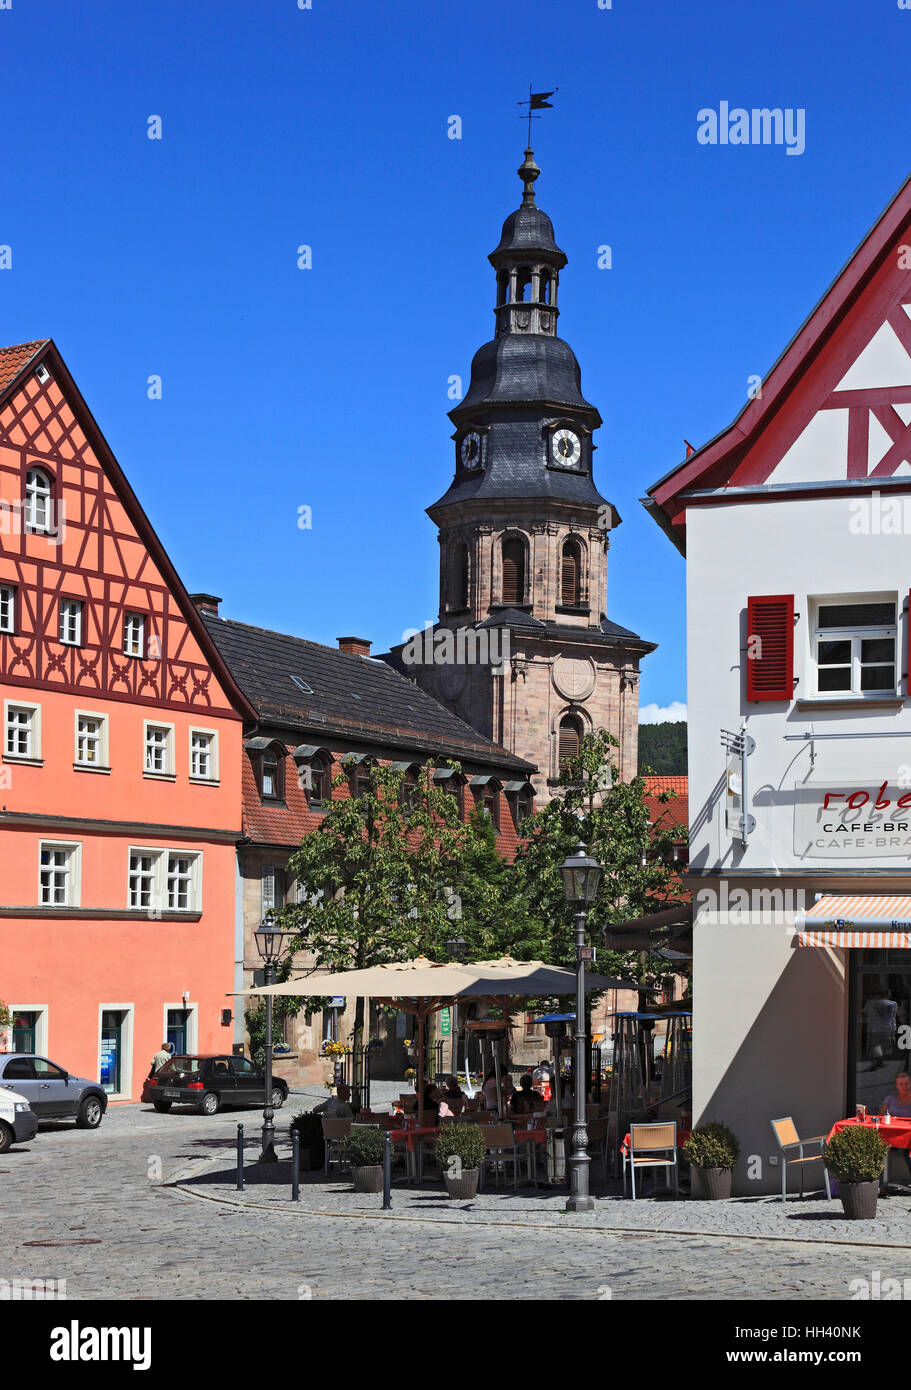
387	1172
295	1165
240	1158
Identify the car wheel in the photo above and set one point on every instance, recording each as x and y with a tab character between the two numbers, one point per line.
6	1137
278	1098
209	1104
90	1113
162	1106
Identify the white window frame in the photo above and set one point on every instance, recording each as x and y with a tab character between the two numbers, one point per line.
7	607
103	764
34	753
270	900
43	495
70	609
212	736
158	905
167	773
192	1011
126	1056
854	635
133	624
41	1043
73	886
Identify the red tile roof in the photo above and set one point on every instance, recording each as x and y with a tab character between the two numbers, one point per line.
13	359
674	811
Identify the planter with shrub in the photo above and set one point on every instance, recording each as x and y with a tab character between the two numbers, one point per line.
364	1150
460	1153
856	1156
712	1152
311	1150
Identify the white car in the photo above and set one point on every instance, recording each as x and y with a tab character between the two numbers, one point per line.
18	1121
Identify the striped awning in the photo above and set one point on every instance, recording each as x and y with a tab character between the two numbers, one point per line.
859	922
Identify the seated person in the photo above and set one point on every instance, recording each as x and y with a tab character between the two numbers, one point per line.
899	1103
526	1099
453	1090
431	1100
337	1107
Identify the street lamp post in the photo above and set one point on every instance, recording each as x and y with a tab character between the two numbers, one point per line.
270	942
581	876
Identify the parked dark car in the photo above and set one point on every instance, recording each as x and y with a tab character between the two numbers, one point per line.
51	1091
211	1082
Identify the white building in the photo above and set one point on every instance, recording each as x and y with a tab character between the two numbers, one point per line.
796	525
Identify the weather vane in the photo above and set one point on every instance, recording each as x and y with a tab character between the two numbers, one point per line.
537	101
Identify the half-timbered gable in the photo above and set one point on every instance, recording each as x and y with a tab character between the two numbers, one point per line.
72	529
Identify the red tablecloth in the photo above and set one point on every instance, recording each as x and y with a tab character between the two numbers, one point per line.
530	1136
897	1133
682	1136
411	1135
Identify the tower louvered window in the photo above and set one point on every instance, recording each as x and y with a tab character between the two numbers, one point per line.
571	574
569	739
513	572
460	576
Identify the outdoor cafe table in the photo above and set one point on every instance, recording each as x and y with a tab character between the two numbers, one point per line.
897	1134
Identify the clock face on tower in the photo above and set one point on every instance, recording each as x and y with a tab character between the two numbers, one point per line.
470	451
566	449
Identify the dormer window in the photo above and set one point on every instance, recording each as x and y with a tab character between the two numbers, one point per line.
314	775
268	759
486	791
37	501
521	801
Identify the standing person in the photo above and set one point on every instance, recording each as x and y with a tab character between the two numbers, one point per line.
161	1056
880	1015
489	1090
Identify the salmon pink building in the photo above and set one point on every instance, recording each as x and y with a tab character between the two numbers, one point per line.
120	779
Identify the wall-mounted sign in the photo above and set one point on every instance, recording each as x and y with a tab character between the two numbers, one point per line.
845	820
445	1023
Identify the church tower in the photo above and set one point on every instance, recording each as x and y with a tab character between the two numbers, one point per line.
524	531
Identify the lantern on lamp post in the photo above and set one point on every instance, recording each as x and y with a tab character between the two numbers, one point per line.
270	942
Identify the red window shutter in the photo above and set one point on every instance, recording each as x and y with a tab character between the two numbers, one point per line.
770	647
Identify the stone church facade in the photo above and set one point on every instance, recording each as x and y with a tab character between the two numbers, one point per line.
524	534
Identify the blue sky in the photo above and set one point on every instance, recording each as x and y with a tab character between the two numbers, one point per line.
327	388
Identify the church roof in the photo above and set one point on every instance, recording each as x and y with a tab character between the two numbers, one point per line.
524	367
296	684
528	229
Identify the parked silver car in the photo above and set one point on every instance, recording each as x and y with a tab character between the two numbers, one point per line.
52	1092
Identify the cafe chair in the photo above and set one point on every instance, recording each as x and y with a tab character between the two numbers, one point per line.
335	1132
787	1138
500	1150
651	1146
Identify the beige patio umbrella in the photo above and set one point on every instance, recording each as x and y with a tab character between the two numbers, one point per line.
421	987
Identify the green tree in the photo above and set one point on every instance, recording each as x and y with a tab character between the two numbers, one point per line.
390	874
609	816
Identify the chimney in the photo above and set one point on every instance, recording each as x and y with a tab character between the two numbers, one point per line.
206	603
354	646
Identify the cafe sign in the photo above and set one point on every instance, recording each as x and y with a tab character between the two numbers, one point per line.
845	821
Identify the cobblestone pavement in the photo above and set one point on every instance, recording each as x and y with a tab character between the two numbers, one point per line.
98	1209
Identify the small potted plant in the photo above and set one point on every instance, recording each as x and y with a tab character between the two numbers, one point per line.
364	1150
410	1075
460	1153
310	1151
856	1156
712	1152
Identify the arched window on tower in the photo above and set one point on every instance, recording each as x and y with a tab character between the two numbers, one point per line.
523	284
569	737
544	288
503	287
513	586
571	574
460	576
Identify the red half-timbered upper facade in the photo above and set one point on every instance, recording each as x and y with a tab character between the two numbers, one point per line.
71	528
